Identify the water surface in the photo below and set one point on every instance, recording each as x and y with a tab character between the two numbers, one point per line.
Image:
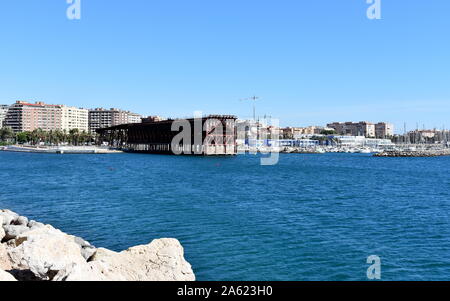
311	217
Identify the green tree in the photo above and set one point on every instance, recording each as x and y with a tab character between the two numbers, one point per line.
328	132
6	134
23	137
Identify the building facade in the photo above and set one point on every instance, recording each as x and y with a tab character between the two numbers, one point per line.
100	118
150	119
362	128
74	118
26	117
384	130
3	112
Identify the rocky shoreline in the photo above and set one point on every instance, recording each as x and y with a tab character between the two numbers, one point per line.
417	153
32	251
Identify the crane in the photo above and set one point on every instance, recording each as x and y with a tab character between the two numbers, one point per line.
254	99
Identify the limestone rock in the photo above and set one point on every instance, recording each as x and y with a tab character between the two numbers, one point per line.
5	276
35	225
81	242
2	232
8	217
34	251
44	251
5	263
12	231
21	220
88	252
161	260
102	253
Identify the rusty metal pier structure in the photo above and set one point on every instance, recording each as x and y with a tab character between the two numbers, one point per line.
214	135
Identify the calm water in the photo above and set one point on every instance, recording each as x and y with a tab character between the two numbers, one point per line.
311	217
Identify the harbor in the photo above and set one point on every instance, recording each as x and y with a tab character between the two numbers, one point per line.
219	210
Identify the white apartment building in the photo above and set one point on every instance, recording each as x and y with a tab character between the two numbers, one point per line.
74	118
3	112
134	118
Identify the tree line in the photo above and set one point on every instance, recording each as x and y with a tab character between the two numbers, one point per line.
52	137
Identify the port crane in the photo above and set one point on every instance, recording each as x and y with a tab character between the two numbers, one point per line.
253	99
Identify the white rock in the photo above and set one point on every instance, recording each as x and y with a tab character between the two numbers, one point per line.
12	231
161	260
21	220
81	242
44	251
35	225
5	263
102	253
2	231
5	276
8	216
87	252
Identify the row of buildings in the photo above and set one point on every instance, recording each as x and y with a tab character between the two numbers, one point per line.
366	129
381	130
24	116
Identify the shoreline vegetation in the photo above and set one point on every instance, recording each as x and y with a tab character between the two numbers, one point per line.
32	251
53	137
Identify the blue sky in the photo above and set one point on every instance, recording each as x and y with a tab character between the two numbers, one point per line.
310	61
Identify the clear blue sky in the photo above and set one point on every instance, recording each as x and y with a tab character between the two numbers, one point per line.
310	61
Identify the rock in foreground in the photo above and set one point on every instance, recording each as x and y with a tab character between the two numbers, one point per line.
33	251
5	276
161	260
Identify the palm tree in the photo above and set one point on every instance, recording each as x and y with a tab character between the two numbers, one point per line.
74	136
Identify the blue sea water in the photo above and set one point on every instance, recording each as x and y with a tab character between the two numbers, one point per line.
311	217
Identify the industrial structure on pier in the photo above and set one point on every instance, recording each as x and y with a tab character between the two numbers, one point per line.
211	135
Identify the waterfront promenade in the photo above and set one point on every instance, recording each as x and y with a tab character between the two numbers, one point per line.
60	149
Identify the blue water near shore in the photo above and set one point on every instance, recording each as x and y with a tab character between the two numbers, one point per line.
311	217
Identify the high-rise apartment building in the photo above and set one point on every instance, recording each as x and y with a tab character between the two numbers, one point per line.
75	118
102	118
24	116
3	111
